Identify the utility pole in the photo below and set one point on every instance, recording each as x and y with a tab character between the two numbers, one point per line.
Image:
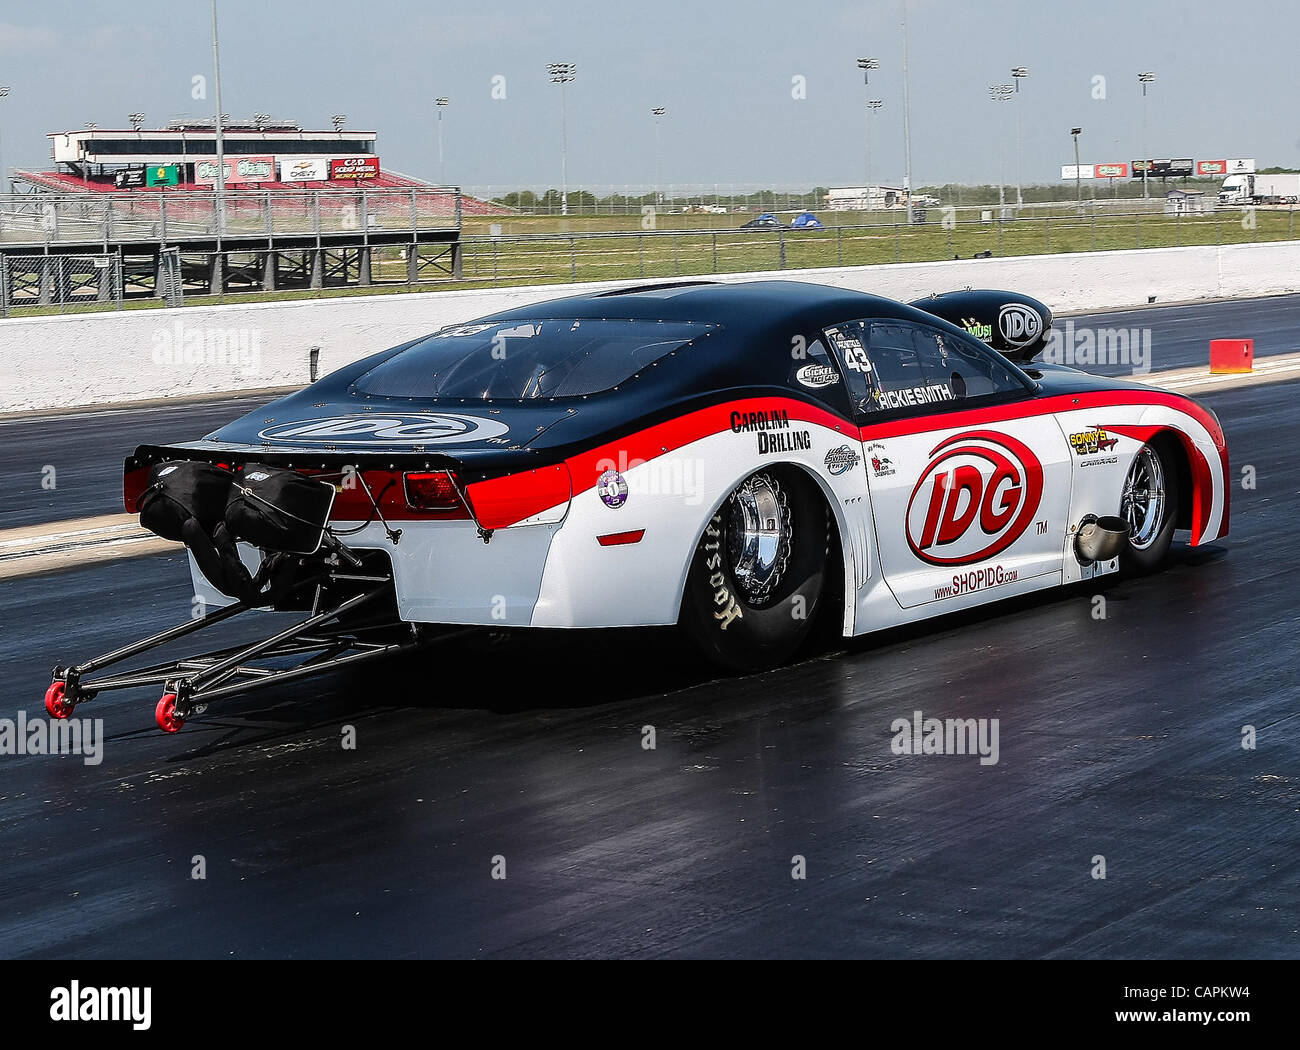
1078	177
907	124
563	73
657	112
1144	79
1018	73
221	147
441	102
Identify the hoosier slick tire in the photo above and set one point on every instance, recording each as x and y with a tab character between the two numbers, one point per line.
756	579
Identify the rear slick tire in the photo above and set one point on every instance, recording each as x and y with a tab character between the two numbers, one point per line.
756	579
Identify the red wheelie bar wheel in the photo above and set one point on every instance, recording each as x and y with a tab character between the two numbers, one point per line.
165	714
57	701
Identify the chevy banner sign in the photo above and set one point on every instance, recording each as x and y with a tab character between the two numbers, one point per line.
304	169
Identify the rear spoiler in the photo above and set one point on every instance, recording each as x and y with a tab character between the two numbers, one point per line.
500	489
1016	326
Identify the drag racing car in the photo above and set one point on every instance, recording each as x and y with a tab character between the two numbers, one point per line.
742	460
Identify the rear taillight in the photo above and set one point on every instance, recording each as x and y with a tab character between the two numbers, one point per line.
436	491
134	480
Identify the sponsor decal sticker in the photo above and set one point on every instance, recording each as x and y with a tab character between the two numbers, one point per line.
881	464
816	375
841	460
850	349
976	497
979	329
612	489
977	580
747	422
795	441
1019	324
911	396
1090	442
431	429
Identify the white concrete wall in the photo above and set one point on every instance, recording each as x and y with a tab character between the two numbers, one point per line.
130	355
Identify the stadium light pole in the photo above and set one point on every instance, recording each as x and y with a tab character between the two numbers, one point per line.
563	73
440	103
657	112
867	65
873	104
907	124
220	139
1144	79
4	93
1078	178
1018	73
1001	93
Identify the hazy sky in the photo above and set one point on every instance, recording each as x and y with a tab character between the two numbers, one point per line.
1228	84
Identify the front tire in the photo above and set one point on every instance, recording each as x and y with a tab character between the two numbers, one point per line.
756	579
1149	503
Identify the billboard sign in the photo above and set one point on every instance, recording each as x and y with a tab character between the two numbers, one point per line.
130	179
162	175
304	169
1069	172
1211	167
1241	167
354	168
1163	168
239	170
1113	170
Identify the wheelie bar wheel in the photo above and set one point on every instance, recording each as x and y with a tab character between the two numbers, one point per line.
57	701
166	716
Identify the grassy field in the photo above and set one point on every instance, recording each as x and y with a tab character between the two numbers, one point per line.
550	249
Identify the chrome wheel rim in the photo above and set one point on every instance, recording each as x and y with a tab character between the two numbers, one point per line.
759	535
1142	504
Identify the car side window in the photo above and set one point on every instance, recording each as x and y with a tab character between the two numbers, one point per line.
903	368
967	369
814	371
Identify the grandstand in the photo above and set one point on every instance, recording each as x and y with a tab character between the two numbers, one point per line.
298	208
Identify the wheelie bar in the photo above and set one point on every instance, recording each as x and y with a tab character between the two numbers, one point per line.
190	683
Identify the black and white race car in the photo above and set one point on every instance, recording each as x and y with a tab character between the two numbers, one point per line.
742	460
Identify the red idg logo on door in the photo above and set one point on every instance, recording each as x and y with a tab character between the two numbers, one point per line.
975	499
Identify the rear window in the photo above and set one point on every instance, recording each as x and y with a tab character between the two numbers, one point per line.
523	360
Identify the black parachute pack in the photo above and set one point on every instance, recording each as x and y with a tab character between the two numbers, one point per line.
278	510
210	508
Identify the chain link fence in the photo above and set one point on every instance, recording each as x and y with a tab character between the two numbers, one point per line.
168	217
59	283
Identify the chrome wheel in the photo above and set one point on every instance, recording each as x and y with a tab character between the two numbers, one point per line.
759	535
1143	501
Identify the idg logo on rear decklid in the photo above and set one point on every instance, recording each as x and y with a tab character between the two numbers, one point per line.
440	429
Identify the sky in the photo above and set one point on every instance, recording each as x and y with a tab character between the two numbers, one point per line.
727	71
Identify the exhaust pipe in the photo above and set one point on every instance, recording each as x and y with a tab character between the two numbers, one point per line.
1100	539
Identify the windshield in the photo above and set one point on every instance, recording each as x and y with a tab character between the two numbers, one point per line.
523	360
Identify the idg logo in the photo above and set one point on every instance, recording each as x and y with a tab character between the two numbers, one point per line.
976	497
1019	324
389	430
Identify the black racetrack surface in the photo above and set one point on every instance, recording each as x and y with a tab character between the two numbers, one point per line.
1120	738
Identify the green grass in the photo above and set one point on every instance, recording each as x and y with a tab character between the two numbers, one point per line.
551	250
